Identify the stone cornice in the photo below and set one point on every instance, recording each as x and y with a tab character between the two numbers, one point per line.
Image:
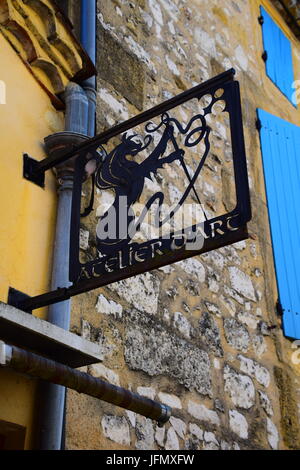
43	38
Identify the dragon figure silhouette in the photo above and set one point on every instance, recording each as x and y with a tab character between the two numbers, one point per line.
126	177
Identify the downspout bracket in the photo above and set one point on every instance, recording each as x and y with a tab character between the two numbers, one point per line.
30	172
15	297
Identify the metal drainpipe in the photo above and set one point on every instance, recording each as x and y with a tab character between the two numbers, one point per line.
80	119
76	126
89	41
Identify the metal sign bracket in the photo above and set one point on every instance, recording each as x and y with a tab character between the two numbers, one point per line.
124	171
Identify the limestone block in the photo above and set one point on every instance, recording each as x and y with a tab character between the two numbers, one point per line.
240	388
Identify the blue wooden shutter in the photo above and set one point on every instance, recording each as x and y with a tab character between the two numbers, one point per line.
279	63
280	143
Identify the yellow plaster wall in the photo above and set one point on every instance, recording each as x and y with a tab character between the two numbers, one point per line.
27	211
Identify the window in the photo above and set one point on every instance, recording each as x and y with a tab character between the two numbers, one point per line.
280	144
277	55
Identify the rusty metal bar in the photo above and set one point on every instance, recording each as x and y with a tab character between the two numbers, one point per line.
54	372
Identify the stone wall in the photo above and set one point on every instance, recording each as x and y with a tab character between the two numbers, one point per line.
203	335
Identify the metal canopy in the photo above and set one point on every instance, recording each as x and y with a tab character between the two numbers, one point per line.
124	170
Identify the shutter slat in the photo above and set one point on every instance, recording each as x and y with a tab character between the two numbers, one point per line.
282	163
279	64
280	142
268	44
270	149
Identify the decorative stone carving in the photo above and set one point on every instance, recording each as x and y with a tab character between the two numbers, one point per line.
43	38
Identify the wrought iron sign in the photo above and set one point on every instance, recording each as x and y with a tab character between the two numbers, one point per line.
146	223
